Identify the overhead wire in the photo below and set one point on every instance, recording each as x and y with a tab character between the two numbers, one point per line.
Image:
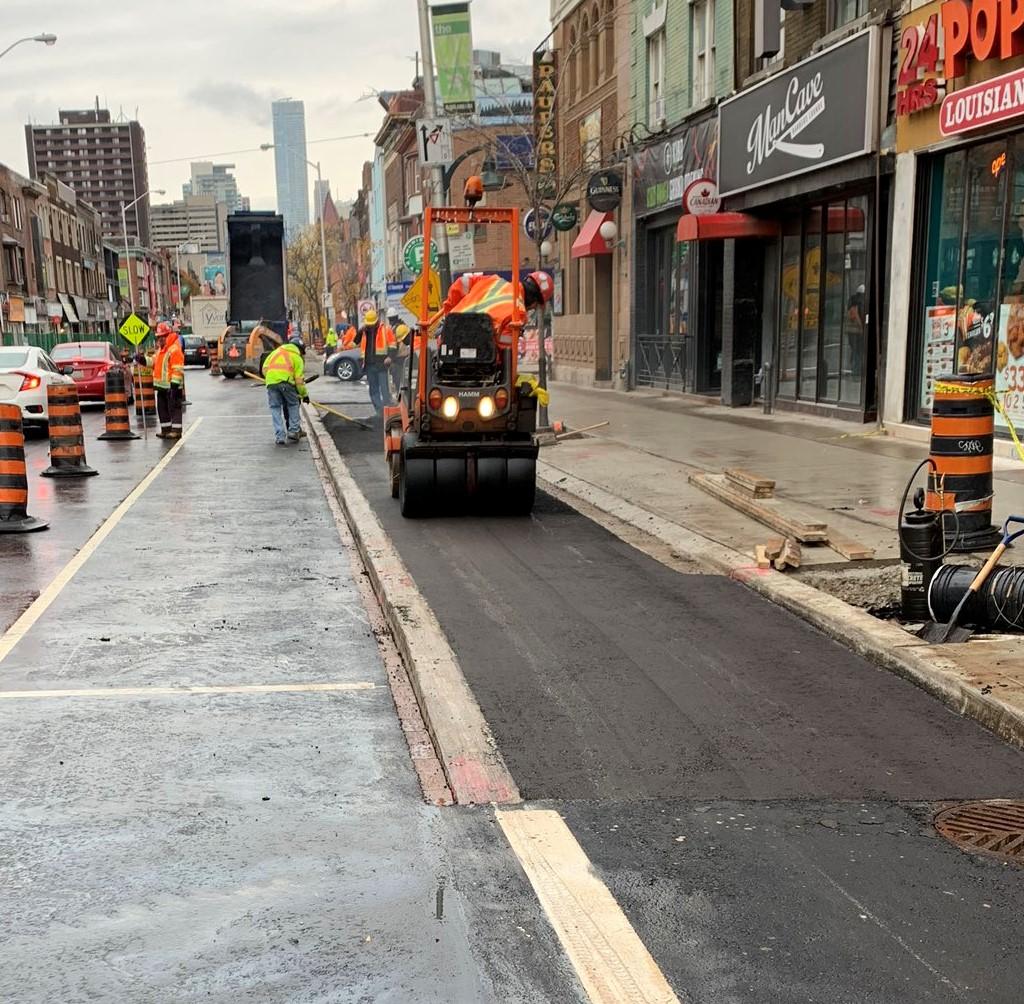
258	149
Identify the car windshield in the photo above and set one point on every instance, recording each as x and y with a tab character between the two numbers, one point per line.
10	358
74	351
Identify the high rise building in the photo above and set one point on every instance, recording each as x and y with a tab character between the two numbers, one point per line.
321	192
290	162
216	180
196	219
102	160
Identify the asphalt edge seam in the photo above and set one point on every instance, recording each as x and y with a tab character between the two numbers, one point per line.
473	766
886	645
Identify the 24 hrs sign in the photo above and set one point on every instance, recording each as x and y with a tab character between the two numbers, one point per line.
919	82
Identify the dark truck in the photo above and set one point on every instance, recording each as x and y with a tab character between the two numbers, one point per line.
256	284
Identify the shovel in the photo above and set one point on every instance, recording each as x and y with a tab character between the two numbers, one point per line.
939	634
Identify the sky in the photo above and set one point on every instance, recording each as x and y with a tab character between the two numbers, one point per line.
200	75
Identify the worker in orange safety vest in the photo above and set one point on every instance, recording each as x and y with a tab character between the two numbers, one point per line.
168	378
377	349
490	294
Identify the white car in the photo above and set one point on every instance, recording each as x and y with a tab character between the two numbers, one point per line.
25	373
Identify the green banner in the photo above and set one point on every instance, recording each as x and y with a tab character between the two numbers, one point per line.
453	58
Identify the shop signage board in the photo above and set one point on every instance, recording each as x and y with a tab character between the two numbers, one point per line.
920	80
604	191
412	253
545	131
819	112
537	225
701	197
564	216
662	170
939	346
983	104
1010	363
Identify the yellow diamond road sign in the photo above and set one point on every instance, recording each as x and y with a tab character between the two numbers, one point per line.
412	300
134	329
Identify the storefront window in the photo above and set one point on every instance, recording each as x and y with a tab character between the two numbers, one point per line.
855	269
833	313
789	306
811	307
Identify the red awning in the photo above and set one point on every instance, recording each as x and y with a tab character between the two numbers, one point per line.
590	242
715	226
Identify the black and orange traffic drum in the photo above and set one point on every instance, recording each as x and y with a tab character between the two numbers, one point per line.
67	443
963	427
14	517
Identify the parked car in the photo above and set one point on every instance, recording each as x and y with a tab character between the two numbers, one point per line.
345	365
25	373
196	351
89	362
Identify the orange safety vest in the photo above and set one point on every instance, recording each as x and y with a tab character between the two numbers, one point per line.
348	340
169	365
492	295
384	342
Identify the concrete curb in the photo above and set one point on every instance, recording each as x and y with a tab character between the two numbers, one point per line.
885	644
475	770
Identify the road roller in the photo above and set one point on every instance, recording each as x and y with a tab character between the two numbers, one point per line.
462	436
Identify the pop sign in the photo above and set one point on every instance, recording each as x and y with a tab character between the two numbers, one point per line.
412	254
701	197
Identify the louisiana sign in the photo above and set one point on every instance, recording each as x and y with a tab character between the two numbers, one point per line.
995	100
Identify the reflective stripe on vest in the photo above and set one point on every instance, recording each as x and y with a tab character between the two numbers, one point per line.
281	360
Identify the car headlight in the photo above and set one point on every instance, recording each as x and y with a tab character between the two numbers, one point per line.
450	408
485	407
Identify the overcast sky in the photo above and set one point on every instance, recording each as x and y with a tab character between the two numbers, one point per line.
200	75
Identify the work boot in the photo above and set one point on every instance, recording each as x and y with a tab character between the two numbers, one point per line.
164	433
175	434
293	437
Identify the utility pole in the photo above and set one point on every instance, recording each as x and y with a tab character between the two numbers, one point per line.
437	171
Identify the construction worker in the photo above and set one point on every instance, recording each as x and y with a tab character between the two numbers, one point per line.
348	339
168	376
283	375
377	349
331	341
401	366
490	294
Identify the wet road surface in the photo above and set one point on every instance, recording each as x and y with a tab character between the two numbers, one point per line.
265	840
758	799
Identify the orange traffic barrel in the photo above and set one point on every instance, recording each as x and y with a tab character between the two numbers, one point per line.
963	427
14	517
215	359
115	406
67	444
145	393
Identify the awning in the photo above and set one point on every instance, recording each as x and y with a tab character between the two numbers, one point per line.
69	311
82	306
590	242
53	309
716	226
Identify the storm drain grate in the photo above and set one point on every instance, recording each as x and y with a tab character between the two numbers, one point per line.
994	827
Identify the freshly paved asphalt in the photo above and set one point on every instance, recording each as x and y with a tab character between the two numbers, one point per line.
758	799
232	846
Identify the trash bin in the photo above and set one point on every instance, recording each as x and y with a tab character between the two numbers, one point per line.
742	383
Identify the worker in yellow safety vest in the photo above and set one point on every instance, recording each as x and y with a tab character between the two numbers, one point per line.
286	386
168	378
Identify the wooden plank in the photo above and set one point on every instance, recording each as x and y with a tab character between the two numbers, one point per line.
770	512
750	482
790	558
774	547
849	548
761	557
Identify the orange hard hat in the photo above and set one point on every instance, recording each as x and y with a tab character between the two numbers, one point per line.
544	283
163	329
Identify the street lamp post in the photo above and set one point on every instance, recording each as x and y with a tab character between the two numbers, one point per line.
327	308
45	37
125	206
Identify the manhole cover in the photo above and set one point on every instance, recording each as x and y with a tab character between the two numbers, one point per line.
995	827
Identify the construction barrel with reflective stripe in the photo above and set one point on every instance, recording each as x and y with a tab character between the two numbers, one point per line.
145	394
14	517
115	406
962	429
67	444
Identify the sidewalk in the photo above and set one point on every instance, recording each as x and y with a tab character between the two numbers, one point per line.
636	470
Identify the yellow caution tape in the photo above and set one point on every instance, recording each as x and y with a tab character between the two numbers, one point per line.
533	389
942	387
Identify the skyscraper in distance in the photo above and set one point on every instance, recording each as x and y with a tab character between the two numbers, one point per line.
289	119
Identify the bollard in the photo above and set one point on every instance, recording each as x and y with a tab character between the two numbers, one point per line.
14	517
185	402
963	423
67	444
215	359
115	407
145	394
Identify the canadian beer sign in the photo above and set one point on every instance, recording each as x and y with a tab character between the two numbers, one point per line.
819	112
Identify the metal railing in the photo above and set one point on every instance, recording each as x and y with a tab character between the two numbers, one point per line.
661	362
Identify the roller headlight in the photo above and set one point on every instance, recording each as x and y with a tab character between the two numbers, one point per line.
485	407
450	408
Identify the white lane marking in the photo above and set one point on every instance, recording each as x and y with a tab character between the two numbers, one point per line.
866	914
610	959
25	622
265	688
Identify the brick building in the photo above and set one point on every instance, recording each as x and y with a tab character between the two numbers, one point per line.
22	274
